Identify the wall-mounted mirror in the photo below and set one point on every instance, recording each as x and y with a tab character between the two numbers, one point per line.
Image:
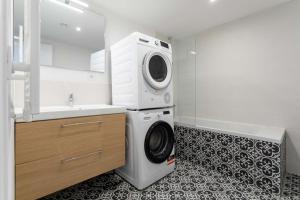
72	37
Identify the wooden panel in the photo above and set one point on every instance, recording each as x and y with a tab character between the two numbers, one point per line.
83	135
76	160
39	178
36	140
87	138
43	139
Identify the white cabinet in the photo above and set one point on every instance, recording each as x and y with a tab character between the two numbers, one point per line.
98	61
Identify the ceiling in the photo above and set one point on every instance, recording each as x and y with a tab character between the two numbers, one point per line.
179	18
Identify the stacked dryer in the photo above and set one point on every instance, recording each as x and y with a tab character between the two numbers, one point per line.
142	82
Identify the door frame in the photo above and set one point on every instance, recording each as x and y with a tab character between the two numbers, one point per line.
7	169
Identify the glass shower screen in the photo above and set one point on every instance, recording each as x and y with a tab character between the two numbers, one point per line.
184	55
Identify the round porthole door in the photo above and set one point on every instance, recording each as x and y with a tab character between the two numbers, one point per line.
157	70
159	142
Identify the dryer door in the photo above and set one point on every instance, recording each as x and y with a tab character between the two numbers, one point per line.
159	142
157	70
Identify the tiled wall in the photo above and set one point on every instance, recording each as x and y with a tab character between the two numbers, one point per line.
254	162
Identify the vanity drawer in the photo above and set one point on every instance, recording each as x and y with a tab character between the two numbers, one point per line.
65	137
83	135
83	152
42	177
36	140
90	134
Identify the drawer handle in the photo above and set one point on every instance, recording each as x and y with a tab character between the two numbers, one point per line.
80	157
80	124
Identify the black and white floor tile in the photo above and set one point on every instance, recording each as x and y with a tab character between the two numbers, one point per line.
251	161
188	182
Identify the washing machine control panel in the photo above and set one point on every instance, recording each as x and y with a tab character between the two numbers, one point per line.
164	44
159	115
167	112
155	42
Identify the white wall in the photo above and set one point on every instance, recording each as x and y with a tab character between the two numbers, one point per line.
249	71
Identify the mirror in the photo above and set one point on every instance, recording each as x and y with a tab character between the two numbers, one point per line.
71	36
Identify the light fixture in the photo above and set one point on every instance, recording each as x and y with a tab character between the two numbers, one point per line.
212	1
80	3
66	6
78	28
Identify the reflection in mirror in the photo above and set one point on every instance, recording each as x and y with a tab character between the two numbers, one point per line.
18	31
71	36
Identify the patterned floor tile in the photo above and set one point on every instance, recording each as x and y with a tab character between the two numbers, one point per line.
268	166
225	153
244	160
188	182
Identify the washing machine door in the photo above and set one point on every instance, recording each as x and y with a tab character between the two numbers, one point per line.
157	70
159	142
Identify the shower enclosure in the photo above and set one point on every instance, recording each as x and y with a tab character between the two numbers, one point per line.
203	136
184	56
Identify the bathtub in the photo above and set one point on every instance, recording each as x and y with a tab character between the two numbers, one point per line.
244	151
254	131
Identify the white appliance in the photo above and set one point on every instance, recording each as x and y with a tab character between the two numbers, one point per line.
150	147
142	72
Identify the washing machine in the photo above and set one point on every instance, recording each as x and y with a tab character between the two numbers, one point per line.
141	69
149	147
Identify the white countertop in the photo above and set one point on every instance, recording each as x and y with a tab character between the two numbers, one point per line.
59	112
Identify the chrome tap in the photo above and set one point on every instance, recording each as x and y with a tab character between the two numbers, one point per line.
71	99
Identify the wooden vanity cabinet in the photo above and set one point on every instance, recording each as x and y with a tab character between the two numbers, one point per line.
55	154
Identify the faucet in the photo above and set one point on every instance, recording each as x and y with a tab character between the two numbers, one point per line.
71	99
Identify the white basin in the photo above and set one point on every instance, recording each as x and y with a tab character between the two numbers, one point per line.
75	107
58	112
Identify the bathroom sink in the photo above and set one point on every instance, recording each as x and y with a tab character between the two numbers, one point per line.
72	108
58	112
91	107
57	108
